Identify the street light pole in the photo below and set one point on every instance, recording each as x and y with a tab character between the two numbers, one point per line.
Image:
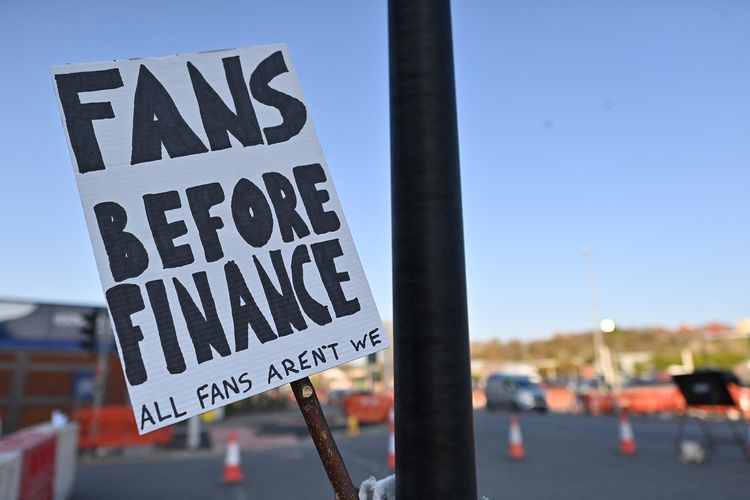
608	364
596	332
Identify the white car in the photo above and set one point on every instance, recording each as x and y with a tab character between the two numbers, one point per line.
513	392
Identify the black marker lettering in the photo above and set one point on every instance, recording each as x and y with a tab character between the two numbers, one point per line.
205	331
201	199
251	213
245	311
306	177
218	120
324	254
127	255
314	310
123	302
157	121
281	192
273	372
283	304
79	117
157	297
164	232
293	112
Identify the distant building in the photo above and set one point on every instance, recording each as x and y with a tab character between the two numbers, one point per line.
47	362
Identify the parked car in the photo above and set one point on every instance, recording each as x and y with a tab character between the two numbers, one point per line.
513	392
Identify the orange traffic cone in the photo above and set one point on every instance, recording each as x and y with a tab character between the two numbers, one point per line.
391	442
627	440
232	470
515	449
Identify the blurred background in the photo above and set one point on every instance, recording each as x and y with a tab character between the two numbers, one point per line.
605	152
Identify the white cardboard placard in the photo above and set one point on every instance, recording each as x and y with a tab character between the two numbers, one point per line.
221	244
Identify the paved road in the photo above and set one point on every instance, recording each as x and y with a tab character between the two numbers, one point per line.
569	457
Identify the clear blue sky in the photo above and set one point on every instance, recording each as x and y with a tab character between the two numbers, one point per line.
624	125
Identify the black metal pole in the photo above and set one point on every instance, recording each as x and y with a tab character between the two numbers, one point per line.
434	427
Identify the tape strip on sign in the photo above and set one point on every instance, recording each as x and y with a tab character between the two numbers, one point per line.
225	258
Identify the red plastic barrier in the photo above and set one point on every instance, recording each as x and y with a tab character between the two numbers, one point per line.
598	403
560	399
652	399
742	396
658	399
368	408
38	462
114	426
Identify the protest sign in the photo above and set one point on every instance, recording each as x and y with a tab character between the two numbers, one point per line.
223	251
